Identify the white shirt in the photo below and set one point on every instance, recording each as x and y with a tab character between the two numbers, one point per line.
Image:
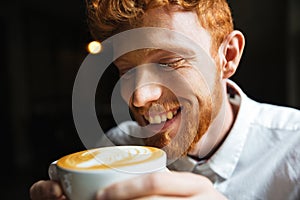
259	159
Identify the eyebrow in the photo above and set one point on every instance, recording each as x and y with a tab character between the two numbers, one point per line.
173	51
173	44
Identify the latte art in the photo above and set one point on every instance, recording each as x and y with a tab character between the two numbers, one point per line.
82	174
121	157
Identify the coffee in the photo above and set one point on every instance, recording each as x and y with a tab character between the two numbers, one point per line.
121	157
83	173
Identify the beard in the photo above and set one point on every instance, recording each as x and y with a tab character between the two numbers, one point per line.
196	116
192	127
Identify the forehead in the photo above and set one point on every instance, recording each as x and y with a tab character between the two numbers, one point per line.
178	22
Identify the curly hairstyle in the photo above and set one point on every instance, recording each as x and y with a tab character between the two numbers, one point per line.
108	17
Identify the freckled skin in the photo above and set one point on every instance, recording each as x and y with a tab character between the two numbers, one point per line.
200	104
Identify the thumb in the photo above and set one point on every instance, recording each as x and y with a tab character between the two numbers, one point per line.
46	190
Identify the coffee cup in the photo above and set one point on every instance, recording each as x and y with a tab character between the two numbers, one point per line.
84	173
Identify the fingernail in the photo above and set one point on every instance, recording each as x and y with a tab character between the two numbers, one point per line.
100	195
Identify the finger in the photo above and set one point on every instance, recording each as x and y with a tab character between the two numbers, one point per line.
164	198
46	190
164	184
201	196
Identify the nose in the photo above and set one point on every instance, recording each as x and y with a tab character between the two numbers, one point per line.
146	94
148	88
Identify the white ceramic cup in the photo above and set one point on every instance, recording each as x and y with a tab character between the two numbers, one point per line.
82	174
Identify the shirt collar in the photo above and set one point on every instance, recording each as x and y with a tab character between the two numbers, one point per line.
225	160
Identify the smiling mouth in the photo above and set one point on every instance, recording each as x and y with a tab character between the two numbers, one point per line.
158	118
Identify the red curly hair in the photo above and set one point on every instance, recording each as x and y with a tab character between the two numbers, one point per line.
108	17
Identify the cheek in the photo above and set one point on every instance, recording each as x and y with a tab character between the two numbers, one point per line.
127	89
195	84
184	83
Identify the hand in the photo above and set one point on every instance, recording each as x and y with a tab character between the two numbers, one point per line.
46	190
163	186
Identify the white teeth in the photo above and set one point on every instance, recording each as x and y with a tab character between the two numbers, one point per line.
157	119
169	115
163	117
151	120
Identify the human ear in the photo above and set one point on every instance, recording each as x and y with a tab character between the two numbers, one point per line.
230	52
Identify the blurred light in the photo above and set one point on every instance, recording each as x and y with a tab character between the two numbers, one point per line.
94	47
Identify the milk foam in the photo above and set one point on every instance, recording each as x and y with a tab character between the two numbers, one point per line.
112	157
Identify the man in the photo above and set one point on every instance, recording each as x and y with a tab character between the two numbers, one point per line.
235	148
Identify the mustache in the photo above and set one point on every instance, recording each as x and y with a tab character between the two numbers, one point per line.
160	106
163	104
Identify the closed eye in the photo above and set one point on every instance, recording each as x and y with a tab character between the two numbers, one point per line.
172	64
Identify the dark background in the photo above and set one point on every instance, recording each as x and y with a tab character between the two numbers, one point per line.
43	44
